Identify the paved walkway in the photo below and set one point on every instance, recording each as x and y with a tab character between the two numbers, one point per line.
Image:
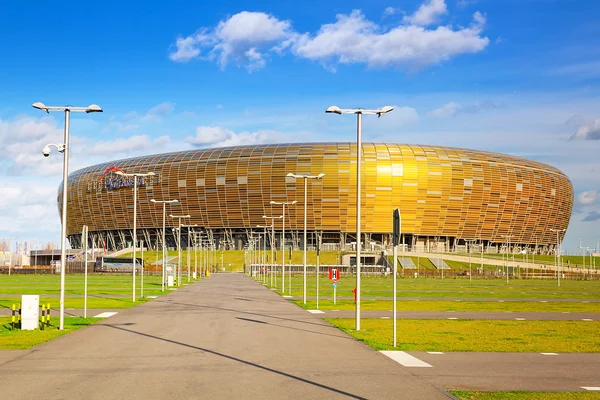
223	337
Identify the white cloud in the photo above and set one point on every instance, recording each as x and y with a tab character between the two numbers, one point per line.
213	136
391	11
588	131
249	38
353	39
452	109
240	38
161	109
588	197
428	13
135	143
448	110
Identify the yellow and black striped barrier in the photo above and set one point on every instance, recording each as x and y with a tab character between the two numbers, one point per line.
14	320
45	314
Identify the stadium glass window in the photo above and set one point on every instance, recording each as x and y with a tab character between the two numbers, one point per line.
200	182
468	182
181	183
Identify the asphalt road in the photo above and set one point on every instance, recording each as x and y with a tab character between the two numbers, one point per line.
511	371
223	337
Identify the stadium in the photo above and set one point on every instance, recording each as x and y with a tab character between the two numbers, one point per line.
447	197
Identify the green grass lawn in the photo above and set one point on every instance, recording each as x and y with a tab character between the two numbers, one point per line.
459	306
467	395
104	291
459	288
22	340
476	335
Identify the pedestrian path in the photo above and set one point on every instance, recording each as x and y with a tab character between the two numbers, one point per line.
223	337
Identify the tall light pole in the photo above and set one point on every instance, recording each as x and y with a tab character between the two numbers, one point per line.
507	237
273	281
265	278
164	258
283	203
64	148
188	249
306	178
135	182
179	217
557	251
359	113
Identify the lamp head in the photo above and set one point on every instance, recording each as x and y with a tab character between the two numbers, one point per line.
40	106
152	200
384	110
93	108
272	202
334	110
291	175
294	202
320	176
119	172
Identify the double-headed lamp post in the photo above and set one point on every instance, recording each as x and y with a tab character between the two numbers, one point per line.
306	178
557	251
188	248
64	148
179	217
283	203
135	182
164	257
359	113
273	281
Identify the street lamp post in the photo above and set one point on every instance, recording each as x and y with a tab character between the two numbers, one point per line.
164	258
63	148
189	262
135	184
507	237
273	281
557	251
179	217
306	178
359	113
283	203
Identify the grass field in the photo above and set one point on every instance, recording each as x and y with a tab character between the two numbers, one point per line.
448	288
466	395
457	306
22	340
104	291
479	336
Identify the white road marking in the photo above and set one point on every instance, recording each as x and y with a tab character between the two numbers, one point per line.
520	319
385	317
549	354
587	319
316	312
435	352
543	301
287	297
273	288
452	318
405	359
105	315
566	312
594	388
152	297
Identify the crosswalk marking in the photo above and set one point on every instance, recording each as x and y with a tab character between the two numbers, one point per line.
405	359
105	315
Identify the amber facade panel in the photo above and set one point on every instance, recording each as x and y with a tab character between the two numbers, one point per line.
440	191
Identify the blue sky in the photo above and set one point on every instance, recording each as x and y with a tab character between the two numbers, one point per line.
514	76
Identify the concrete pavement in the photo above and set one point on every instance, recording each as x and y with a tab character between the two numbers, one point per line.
223	337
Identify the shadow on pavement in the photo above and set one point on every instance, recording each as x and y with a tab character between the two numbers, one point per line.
240	361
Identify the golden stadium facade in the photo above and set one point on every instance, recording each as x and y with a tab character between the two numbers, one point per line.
446	196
